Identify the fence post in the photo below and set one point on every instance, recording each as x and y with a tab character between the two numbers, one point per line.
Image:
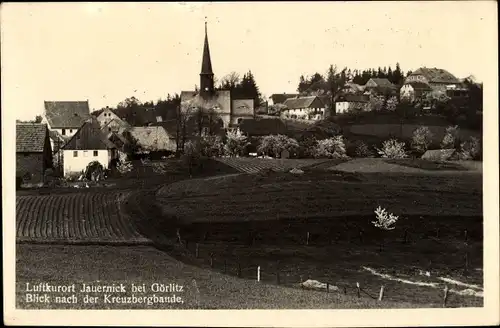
258	273
345	290
358	288
437	233
381	294
465	236
327	287
445	297
211	260
466	263
197	253
307	240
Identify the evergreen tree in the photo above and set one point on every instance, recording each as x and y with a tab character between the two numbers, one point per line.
390	76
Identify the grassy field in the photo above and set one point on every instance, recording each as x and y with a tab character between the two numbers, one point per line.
318	226
203	288
310	226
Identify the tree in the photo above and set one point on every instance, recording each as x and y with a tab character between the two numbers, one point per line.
275	144
236	143
230	81
249	88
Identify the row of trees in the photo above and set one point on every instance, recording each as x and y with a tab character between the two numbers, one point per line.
335	78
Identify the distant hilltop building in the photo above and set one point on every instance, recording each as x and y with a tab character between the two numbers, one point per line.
231	111
425	80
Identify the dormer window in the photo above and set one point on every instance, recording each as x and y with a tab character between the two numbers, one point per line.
63	132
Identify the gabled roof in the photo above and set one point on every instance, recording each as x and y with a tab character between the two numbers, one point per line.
89	137
353	98
382	82
151	137
302	102
66	114
419	85
436	75
262	126
279	98
194	99
30	137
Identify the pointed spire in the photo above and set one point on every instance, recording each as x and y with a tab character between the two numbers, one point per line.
206	65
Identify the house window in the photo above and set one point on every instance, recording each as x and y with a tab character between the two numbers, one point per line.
75	153
85	153
95	153
63	132
70	131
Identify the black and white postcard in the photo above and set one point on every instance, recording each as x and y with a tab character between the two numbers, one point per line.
294	164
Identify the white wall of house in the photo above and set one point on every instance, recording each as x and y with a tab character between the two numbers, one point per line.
341	107
304	113
77	160
107	116
69	132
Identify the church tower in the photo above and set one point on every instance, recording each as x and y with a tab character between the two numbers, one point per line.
206	75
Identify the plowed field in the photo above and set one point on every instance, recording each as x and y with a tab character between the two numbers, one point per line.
75	217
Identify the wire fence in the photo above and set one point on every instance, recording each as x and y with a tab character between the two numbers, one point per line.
277	274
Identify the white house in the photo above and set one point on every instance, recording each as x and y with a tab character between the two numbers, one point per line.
63	119
305	108
351	103
88	144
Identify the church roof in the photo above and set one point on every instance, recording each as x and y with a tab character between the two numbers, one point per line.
206	64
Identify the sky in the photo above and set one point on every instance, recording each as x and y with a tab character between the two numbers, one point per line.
106	52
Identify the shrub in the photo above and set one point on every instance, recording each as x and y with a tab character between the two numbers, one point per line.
330	148
211	146
275	144
306	147
236	143
470	149
376	103
450	138
362	150
94	171
391	104
392	149
421	139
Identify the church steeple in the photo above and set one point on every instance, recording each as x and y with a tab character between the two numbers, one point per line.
206	75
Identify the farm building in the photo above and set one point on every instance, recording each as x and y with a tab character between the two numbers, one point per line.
306	108
33	151
379	86
349	103
64	118
88	144
110	122
353	88
154	138
279	98
425	80
230	110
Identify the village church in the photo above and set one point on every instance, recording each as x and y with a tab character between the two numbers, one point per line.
231	111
